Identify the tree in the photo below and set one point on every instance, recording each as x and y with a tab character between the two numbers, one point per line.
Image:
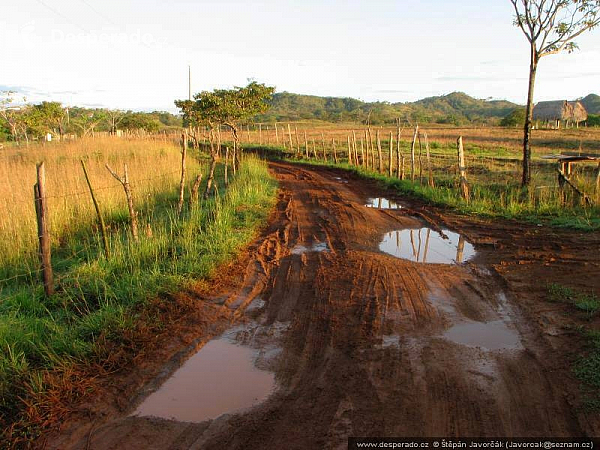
50	117
550	27
14	116
515	118
88	120
227	107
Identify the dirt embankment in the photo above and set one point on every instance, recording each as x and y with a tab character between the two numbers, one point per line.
362	343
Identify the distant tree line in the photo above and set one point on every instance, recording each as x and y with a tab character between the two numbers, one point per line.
456	109
22	121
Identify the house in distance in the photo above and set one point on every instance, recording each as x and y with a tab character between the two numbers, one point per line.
555	112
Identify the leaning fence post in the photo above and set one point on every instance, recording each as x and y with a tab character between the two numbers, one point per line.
195	189
462	170
98	213
41	210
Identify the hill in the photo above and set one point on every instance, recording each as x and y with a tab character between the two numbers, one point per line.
456	108
591	103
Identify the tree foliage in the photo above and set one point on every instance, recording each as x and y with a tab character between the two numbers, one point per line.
550	26
515	118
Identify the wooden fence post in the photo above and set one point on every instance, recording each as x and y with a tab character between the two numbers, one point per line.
390	160
335	158
412	154
349	152
324	150
98	213
226	174
195	189
276	134
291	142
398	151
127	188
297	141
430	179
306	146
462	170
184	145
379	155
41	210
420	160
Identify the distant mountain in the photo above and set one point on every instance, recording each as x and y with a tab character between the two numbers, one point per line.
591	103
456	108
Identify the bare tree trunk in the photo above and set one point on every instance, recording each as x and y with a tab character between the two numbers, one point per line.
526	178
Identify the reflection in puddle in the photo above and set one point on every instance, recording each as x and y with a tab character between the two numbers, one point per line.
221	377
382	203
319	247
491	335
427	246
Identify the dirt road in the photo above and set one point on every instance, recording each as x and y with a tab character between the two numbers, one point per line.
360	342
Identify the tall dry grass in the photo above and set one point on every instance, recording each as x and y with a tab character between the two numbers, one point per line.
153	166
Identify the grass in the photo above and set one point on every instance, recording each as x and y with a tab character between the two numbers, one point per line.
98	300
493	177
586	366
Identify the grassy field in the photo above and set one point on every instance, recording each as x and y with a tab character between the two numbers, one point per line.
493	160
98	299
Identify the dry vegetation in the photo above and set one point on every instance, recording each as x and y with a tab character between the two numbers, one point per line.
153	169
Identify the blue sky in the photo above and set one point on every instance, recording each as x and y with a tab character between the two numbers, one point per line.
134	54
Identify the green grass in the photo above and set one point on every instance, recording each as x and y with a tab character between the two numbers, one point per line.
99	298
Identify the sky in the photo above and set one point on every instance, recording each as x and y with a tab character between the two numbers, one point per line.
134	54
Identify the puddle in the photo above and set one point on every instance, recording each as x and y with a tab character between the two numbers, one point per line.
382	203
319	247
220	378
340	179
427	246
491	335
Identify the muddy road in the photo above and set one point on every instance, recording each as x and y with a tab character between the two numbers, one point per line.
358	313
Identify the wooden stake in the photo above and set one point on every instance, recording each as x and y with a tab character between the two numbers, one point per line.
379	155
412	154
398	152
184	145
349	152
462	169
124	180
335	158
430	179
98	213
297	141
291	142
306	146
324	150
195	189
362	152
276	134
41	210
390	155
420	160
226	175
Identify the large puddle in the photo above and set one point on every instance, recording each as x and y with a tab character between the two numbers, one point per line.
494	335
382	203
427	246
220	378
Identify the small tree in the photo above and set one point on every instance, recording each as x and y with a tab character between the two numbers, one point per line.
550	27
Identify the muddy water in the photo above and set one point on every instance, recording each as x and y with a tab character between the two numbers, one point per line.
427	246
318	247
494	335
382	203
220	378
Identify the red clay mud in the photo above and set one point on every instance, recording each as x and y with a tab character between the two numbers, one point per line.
362	343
